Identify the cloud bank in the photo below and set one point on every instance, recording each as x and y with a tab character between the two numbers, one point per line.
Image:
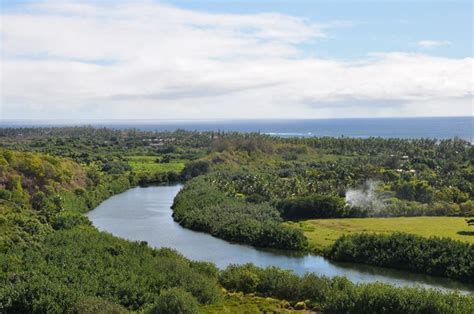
152	60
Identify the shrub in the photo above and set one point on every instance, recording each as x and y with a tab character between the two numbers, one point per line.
175	301
312	207
339	295
93	305
5	195
68	220
194	169
240	278
435	256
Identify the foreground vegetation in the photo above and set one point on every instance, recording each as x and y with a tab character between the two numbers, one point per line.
243	188
53	261
338	295
72	268
322	233
80	269
238	302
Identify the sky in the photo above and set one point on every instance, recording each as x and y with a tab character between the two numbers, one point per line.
237	59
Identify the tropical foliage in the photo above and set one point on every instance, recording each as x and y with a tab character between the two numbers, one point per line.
434	256
338	295
202	206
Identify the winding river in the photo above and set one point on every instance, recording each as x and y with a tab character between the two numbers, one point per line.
144	214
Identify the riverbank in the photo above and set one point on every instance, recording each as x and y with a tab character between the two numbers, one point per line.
144	214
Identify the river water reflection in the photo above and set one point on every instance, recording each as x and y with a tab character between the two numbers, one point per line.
144	214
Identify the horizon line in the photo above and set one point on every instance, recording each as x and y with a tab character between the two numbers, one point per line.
221	119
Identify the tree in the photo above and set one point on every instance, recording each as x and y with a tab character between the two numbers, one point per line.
470	222
175	300
194	169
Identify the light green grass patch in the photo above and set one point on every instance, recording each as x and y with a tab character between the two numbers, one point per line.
323	232
148	164
240	303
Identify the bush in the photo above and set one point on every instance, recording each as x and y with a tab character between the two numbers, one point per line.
312	207
116	167
96	305
435	256
5	195
69	220
194	169
175	301
339	295
240	278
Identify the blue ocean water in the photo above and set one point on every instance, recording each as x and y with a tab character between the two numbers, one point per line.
435	127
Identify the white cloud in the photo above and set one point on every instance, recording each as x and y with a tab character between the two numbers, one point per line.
430	44
148	60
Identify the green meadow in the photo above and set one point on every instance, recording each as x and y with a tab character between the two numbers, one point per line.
149	164
321	233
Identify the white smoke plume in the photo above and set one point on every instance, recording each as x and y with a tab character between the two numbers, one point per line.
367	197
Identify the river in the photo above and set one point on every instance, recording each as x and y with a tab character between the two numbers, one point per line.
144	214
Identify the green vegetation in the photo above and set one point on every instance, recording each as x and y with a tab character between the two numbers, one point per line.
410	177
434	256
151	157
470	222
250	175
321	233
237	302
310	207
240	187
152	169
404	170
52	260
202	206
153	164
98	145
70	266
175	300
338	295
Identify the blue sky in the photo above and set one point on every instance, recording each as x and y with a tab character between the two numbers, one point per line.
378	25
241	59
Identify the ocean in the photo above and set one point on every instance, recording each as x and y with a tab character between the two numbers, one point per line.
435	127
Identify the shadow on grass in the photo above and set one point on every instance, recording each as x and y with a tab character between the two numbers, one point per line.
466	233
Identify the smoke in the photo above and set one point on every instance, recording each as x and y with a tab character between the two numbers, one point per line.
367	197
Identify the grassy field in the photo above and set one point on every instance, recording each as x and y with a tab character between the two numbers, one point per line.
323	232
149	164
240	303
